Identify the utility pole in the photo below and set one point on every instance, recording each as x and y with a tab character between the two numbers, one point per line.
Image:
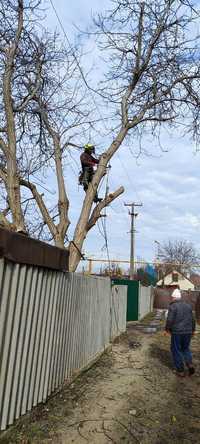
132	249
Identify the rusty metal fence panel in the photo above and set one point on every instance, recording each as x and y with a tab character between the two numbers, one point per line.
52	324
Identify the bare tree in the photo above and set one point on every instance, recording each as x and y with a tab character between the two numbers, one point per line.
153	76
22	58
178	255
43	108
114	271
153	79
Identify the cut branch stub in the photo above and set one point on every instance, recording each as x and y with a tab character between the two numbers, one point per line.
104	203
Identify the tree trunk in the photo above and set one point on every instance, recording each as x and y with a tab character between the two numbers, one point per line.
81	227
12	185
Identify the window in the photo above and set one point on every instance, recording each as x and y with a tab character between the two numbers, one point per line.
175	277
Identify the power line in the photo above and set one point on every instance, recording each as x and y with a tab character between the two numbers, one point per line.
127	261
91	91
103	222
128	176
105	229
73	53
106	241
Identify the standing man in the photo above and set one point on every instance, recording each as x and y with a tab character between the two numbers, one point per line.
88	161
181	325
197	309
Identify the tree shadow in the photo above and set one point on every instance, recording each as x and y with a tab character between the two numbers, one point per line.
161	354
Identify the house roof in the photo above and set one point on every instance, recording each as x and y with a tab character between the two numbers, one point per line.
172	283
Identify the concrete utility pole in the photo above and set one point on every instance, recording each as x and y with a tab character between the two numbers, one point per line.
132	249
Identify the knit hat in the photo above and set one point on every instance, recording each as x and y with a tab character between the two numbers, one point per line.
176	294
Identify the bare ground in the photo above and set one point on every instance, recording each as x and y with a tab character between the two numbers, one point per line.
130	396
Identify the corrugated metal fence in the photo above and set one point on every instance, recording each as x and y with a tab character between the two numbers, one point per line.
118	310
145	301
52	324
139	299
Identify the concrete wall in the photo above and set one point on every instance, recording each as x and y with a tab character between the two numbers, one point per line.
52	324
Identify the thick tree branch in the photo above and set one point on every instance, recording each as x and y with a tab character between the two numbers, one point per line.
96	214
41	205
63	202
5	222
139	40
3	175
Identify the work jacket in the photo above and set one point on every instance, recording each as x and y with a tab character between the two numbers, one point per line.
180	318
87	160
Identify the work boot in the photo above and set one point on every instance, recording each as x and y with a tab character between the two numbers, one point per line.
191	369
179	372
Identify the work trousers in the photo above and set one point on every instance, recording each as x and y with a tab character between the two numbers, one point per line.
180	349
88	174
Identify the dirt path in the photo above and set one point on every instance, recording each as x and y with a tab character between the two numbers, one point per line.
130	396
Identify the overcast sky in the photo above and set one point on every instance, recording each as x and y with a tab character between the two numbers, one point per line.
167	183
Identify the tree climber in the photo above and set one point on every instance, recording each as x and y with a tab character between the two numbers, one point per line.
88	162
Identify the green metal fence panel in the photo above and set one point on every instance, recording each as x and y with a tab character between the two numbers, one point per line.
132	298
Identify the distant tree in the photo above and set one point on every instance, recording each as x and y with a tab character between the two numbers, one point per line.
177	255
113	271
146	275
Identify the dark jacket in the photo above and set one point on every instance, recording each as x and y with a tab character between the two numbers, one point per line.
197	308
180	318
87	160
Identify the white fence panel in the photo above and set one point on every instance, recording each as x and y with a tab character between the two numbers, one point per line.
118	309
52	324
145	301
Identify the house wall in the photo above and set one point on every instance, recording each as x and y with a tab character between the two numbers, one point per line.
183	282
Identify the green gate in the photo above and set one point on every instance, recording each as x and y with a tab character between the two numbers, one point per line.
132	297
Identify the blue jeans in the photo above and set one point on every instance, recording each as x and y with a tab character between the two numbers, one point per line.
180	349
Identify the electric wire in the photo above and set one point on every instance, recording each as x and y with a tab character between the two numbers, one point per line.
104	222
91	91
76	60
70	46
128	176
77	248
